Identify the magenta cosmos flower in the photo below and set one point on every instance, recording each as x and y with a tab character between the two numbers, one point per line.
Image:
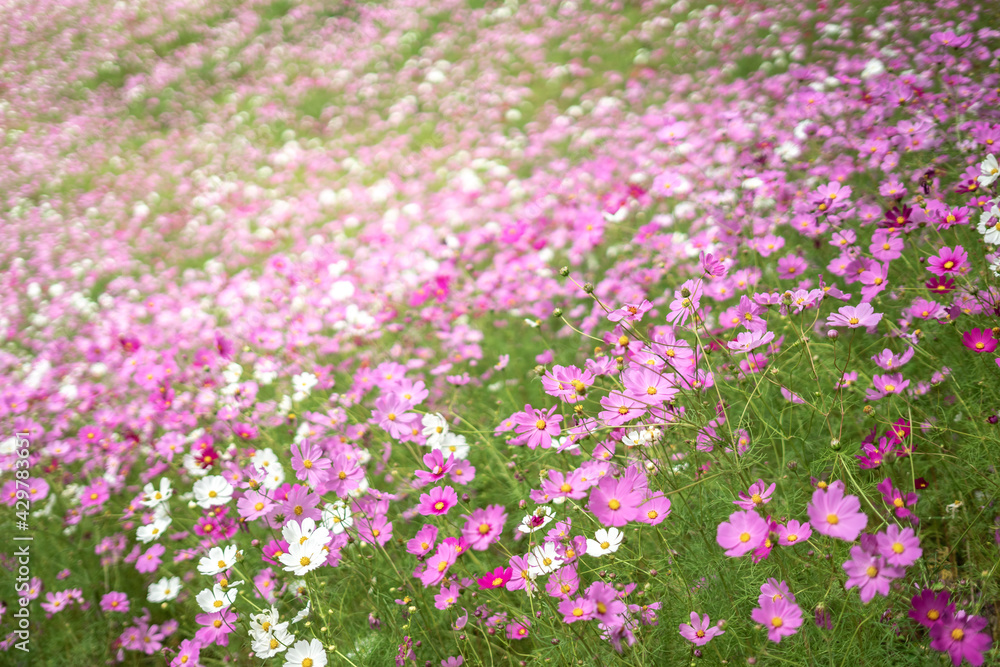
960	636
929	607
781	617
979	340
699	631
438	501
496	578
742	533
853	317
948	261
833	514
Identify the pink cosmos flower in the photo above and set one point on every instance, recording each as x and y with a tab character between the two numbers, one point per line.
446	597
961	636
756	496
929	607
979	340
565	485
875	279
791	266
887	360
437	467
216	627
536	428
310	463
885	385
699	631
899	547
483	526
438	501
615	502
188	654
750	340
775	590
833	514
437	565
781	618
862	315
620	409
794	533
630	312
870	573
521	577
115	601
886	247
948	261
150	561
345	475
580	609
743	533
896	501
254	505
654	510
56	602
686	301
423	541
648	385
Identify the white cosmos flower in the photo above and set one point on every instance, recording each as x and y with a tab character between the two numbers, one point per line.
543	559
232	373
218	560
272	643
337	517
261	624
302	558
307	531
606	541
435	428
211	491
302	613
152	531
304	382
306	654
452	443
152	496
215	599
537	520
165	589
989	171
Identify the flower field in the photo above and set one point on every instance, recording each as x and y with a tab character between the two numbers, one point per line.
487	333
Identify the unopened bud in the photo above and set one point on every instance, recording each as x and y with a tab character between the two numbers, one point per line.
564	271
557	313
588	288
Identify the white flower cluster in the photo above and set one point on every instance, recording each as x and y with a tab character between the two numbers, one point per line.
989	219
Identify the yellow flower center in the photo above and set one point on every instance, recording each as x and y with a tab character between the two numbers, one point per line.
957	634
614	504
832	519
777	622
744	537
871	571
898	548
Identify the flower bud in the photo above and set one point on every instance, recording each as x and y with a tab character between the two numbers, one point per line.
588	288
557	313
564	271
